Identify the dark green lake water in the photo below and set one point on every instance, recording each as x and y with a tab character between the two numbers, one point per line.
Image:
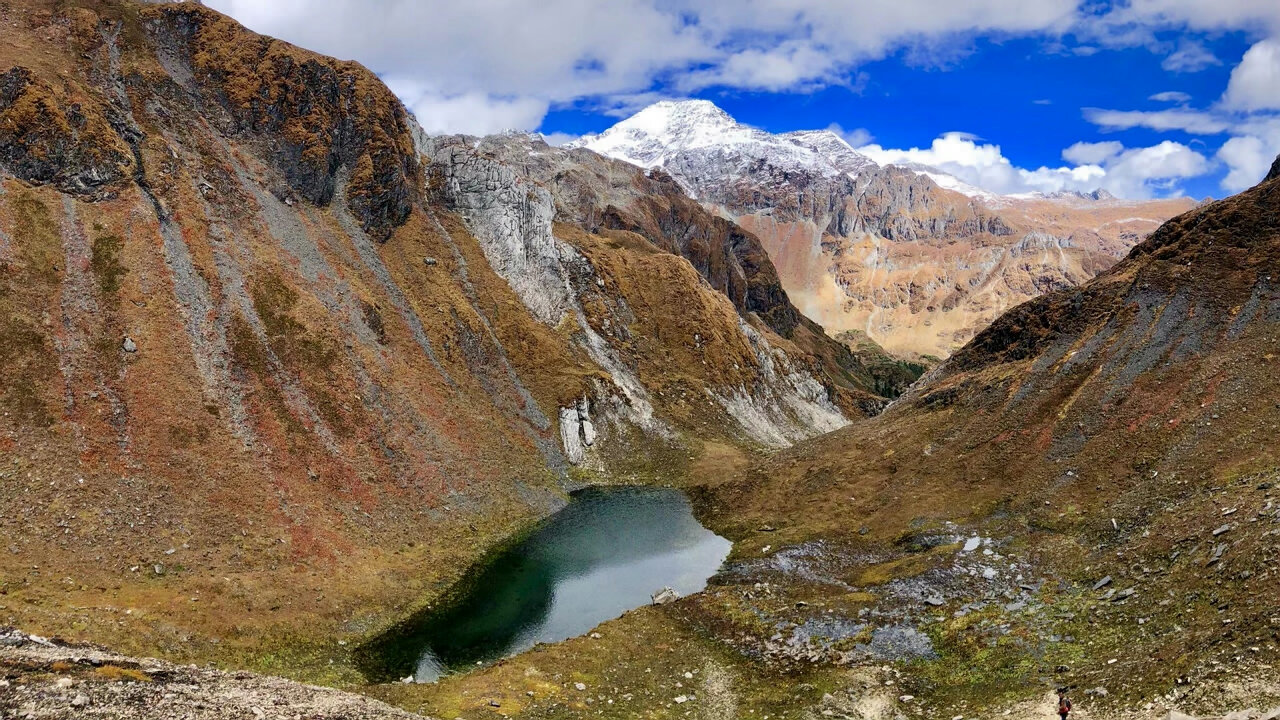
604	553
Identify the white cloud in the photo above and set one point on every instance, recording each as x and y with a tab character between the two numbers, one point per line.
1155	170
1196	122
1246	113
472	113
506	58
856	137
1172	96
1092	153
1135	23
1125	172
1190	57
1248	155
1245	157
1255	82
556	139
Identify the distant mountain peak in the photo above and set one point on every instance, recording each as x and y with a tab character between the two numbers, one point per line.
709	145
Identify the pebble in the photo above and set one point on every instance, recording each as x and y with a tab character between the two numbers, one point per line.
65	682
681	699
579	686
1221	530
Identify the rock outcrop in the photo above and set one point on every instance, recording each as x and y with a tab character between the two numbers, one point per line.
46	138
48	679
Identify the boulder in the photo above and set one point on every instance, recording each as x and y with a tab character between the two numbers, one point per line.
665	596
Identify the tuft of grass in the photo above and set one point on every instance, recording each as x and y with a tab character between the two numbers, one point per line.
106	264
275	300
121	674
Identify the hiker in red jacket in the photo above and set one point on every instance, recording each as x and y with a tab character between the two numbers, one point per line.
1064	704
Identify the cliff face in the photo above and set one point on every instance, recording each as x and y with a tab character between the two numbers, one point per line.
252	319
886	251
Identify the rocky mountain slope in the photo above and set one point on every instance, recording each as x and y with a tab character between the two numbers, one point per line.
278	367
902	255
47	679
1086	494
261	337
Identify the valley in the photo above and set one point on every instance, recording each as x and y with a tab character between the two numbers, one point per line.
300	402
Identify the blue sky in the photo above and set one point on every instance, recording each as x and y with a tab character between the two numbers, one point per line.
1048	94
1025	95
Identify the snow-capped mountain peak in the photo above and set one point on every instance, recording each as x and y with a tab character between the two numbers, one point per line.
666	128
702	144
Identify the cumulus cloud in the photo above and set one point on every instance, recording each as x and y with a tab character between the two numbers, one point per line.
473	113
1092	153
1125	172
484	64
1246	160
856	137
1250	153
1135	23
1246	113
1255	82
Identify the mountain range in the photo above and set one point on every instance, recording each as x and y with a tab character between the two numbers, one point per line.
913	258
279	368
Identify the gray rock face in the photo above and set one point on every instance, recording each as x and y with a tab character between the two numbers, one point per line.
577	431
512	220
509	189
